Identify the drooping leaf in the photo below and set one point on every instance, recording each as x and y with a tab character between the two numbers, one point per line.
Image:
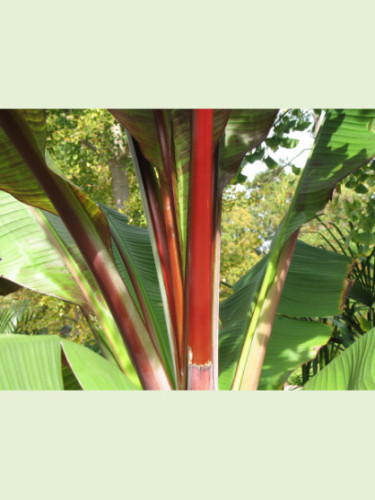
27	256
30	362
353	369
84	221
313	288
46	259
93	371
315	283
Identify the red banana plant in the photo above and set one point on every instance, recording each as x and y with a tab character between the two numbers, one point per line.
183	161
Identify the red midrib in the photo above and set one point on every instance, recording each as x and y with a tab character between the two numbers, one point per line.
200	242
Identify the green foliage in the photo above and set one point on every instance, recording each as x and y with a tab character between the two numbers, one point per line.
85	144
354	369
35	363
82	142
32	313
347	227
30	363
312	290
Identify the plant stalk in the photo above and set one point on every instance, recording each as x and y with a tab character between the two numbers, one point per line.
200	255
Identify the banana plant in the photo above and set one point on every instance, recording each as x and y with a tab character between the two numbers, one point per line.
155	293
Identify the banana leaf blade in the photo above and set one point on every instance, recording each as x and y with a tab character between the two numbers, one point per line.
293	340
28	258
353	370
92	371
30	362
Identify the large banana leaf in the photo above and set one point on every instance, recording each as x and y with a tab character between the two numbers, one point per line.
28	256
314	288
137	261
135	247
87	224
30	362
345	142
32	258
34	363
94	372
353	370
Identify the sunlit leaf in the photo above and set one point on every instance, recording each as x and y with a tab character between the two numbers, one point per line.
30	362
92	371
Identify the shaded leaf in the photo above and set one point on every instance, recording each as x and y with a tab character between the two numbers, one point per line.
7	287
313	288
245	130
70	382
353	370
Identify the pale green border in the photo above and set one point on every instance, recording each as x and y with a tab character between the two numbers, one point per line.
200	53
186	446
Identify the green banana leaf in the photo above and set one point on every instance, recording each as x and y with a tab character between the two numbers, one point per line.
34	363
89	227
39	266
345	142
352	370
93	372
28	257
135	245
30	362
314	288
